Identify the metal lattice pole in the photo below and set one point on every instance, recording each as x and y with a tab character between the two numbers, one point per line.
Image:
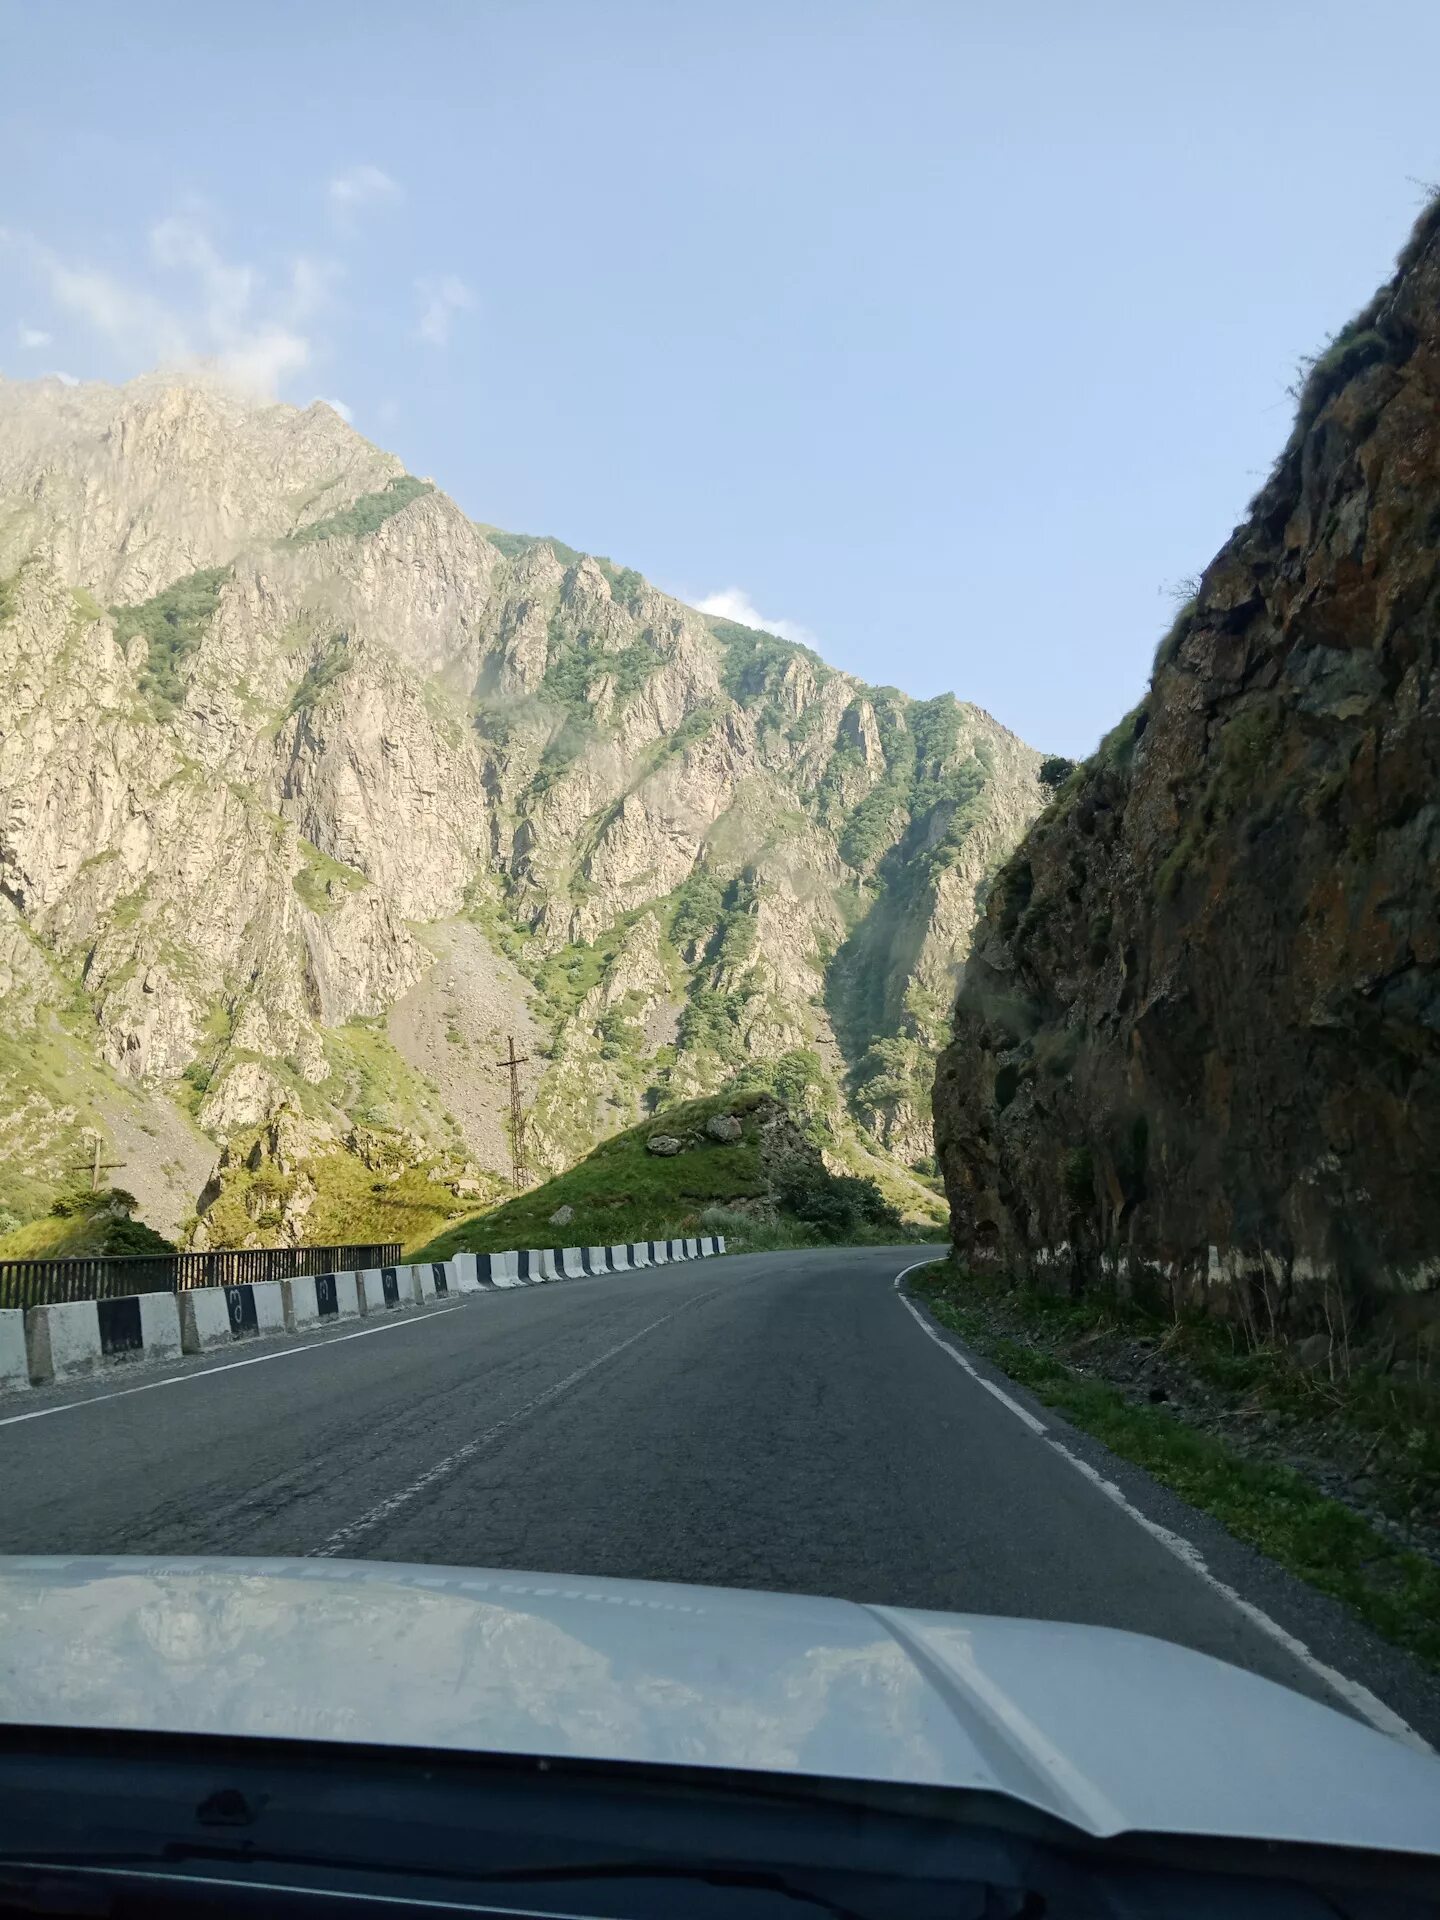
519	1161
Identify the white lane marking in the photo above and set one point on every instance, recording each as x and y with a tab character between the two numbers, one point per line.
210	1373
343	1536
1368	1705
1020	1413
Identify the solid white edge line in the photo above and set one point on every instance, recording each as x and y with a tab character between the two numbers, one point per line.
230	1366
1368	1705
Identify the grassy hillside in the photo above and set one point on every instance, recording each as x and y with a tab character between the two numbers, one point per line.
768	1188
83	1227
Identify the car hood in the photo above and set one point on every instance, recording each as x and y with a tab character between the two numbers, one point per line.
1109	1731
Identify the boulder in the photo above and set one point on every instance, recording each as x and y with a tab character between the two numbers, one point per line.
663	1143
562	1216
724	1127
1313	1353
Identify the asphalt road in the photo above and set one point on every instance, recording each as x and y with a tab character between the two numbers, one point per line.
777	1421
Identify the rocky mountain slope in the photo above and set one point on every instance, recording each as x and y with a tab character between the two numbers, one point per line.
1198	1042
312	791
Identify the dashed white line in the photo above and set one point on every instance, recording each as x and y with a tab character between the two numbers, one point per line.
344	1536
1368	1705
229	1366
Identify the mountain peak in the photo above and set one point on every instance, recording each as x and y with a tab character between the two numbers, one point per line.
315	792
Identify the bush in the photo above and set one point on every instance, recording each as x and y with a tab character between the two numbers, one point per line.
173	623
1055	770
370	511
838	1204
1078	1177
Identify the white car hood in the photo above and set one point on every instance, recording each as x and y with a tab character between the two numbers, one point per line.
1110	1731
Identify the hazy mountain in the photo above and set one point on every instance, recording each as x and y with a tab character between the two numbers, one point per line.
312	791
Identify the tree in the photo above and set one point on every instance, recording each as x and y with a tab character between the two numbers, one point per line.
1055	771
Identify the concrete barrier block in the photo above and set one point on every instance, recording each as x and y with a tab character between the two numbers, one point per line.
62	1340
311	1298
269	1306
692	1249
535	1265
465	1273
677	1249
572	1262
505	1270
659	1253
387	1288
160	1326
597	1259
639	1252
619	1259
14	1362
204	1319
720	1243
302	1307
432	1280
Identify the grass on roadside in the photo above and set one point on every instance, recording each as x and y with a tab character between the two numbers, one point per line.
1271	1507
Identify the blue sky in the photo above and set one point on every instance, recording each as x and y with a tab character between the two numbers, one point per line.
947	336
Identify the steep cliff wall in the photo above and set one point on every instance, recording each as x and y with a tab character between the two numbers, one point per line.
1197	1047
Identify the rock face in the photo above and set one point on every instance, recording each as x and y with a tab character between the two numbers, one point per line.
313	792
1197	1047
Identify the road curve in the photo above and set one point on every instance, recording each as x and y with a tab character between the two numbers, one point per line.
775	1420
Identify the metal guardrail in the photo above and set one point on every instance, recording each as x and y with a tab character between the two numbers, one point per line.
43	1283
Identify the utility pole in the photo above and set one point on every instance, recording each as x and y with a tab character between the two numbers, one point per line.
96	1167
520	1166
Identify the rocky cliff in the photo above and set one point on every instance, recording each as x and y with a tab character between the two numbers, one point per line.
1197	1047
312	791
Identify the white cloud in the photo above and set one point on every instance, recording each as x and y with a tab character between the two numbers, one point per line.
32	336
440	300
363	186
65	379
336	406
214	309
733	603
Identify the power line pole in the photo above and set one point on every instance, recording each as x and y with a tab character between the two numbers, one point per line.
96	1167
520	1166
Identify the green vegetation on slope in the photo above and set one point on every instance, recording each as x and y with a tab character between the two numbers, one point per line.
84	1225
367	513
513	545
1269	1505
173	624
319	879
623	1192
350	1202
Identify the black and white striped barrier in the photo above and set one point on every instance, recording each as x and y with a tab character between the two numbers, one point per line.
76	1336
41	1344
430	1280
213	1316
312	1297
